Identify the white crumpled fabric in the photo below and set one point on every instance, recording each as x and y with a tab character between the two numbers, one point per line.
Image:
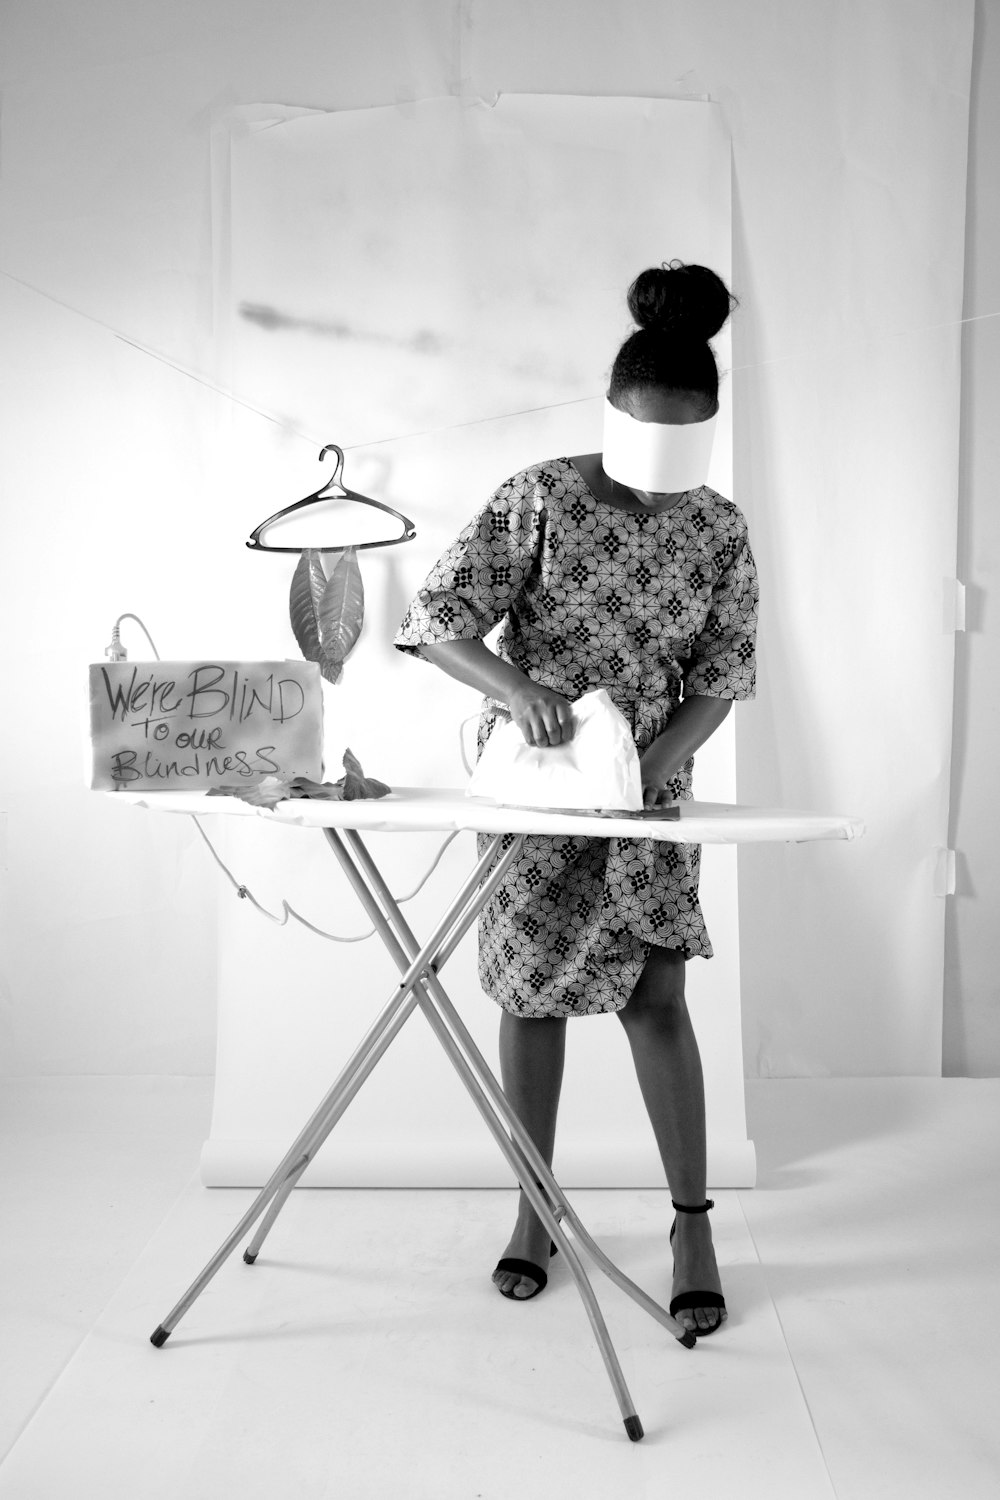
598	768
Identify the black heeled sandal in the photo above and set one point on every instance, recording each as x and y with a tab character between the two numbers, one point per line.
687	1300
526	1268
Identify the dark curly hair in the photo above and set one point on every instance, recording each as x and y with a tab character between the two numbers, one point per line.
678	309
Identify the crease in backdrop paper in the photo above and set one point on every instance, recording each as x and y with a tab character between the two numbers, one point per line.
404	271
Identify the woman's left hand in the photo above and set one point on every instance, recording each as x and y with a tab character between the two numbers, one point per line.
655	792
657	796
691	723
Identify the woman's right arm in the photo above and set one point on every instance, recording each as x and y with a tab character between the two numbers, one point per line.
542	715
469	590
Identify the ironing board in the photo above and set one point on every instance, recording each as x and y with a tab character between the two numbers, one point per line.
412	809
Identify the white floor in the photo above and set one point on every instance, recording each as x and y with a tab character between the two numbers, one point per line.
367	1355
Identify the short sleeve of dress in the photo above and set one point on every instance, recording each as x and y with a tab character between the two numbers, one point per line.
722	662
474	583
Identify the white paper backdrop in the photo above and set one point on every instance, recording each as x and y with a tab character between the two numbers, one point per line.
425	275
131	485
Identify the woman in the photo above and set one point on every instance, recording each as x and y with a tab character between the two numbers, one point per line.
617	570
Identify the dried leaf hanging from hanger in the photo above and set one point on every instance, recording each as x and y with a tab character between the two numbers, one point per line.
308	587
327	615
341	614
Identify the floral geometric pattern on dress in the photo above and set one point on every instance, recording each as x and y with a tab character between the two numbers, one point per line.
651	607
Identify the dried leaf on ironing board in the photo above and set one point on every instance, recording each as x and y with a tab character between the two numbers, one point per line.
340	614
356	784
308	588
266	793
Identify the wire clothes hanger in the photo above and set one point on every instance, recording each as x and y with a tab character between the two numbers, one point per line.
333	489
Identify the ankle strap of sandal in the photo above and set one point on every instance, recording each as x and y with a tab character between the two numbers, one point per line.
702	1208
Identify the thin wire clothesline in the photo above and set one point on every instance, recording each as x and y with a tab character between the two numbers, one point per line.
454	426
529	411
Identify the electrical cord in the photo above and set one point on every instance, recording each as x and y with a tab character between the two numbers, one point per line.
246	895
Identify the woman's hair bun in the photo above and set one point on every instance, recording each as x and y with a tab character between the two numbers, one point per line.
684	302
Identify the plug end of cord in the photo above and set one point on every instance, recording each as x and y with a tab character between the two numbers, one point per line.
116	651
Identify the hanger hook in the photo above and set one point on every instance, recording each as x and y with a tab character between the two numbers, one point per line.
337	476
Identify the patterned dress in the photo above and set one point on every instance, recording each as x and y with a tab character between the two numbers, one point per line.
648	606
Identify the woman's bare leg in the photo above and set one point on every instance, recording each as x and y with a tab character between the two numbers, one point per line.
668	1066
531	1066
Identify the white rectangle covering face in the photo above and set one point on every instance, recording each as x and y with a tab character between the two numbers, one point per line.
662	458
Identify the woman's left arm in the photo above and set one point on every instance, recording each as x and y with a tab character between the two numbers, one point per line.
721	663
694	719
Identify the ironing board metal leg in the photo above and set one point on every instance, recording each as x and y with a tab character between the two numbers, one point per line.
378	1038
547	1181
624	1283
544	1173
518	1148
277	1203
296	1158
351	1079
540	1202
420	986
538	1166
463	911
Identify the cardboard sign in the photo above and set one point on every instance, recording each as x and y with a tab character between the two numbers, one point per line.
172	725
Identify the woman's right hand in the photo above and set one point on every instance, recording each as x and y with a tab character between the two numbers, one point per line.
543	716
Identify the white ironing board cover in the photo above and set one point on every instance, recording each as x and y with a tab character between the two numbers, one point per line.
444	809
